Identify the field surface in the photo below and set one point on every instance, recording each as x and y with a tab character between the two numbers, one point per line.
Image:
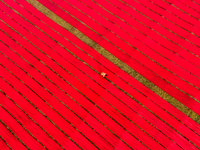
99	74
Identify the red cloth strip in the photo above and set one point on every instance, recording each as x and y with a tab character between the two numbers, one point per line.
72	92
34	129
137	55
169	65
180	5
146	12
46	84
151	43
191	20
191	5
41	105
19	130
3	145
115	69
10	138
63	76
170	38
125	57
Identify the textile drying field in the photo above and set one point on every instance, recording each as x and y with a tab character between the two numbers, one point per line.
53	94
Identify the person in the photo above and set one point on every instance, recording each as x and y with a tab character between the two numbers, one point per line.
103	74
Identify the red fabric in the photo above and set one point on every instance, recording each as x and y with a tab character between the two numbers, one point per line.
10	138
80	98
64	97
82	79
3	145
184	46
19	131
108	65
103	106
180	5
167	64
191	4
150	42
101	59
138	67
